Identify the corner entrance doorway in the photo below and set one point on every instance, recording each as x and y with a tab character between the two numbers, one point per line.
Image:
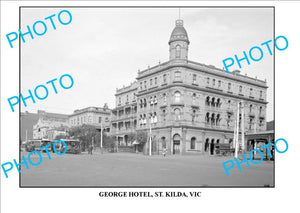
176	144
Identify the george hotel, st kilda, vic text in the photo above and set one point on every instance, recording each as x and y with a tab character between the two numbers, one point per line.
150	194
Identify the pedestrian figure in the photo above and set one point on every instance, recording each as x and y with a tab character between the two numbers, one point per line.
90	149
164	152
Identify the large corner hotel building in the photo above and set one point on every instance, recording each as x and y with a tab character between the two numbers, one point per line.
191	106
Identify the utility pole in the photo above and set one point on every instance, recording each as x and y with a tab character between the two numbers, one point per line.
236	135
150	130
150	142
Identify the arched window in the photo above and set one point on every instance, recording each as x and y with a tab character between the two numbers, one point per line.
151	101
260	110
177	114
207	101
218	119
177	96
193	143
154	117
194	98
141	103
207	117
163	142
141	120
193	115
206	145
164	114
218	102
165	98
213	118
178	51
250	107
155	99
145	102
213	102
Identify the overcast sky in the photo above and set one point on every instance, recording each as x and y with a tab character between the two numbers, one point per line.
103	48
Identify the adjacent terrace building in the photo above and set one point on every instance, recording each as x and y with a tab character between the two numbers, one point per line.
190	106
49	125
124	116
92	116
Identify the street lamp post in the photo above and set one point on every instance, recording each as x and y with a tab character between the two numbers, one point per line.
101	136
150	139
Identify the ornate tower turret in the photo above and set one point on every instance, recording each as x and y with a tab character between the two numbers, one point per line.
179	42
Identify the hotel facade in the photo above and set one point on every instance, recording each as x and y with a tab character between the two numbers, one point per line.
190	106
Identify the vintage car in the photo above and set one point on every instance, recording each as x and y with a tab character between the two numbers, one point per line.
36	144
73	146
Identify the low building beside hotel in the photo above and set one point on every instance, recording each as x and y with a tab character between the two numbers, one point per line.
48	123
95	116
190	106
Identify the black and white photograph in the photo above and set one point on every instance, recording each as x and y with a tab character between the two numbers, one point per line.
149	106
150	103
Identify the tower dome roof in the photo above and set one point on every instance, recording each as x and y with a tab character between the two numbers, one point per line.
179	33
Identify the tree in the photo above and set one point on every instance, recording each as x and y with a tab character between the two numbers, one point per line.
84	133
108	141
142	137
131	137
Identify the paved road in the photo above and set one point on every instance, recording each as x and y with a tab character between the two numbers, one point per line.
126	169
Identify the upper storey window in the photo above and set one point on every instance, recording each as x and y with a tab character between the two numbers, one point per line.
219	83
207	81
141	85
165	98
241	89
151	82
155	80
178	51
165	78
229	86
145	84
177	76
177	96
194	78
177	114
194	98
251	92
260	94
214	82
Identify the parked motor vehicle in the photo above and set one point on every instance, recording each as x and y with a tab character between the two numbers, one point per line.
36	144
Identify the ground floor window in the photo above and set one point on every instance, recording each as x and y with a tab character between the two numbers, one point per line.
193	143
